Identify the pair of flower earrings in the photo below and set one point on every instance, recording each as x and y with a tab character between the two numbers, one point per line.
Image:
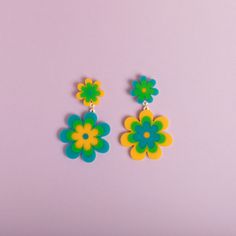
144	136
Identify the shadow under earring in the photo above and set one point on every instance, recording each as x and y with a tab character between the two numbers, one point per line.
84	135
145	135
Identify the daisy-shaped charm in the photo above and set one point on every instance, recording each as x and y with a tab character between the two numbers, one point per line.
146	135
84	137
89	92
143	89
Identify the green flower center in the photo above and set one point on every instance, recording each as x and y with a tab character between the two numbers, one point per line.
146	135
85	136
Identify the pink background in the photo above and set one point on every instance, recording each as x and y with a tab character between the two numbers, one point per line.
48	46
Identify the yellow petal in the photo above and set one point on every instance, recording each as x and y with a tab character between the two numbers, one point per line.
163	120
86	144
88	81
78	96
87	128
129	121
86	103
76	136
124	140
79	128
93	141
94	132
145	113
156	155
101	93
79	144
168	140
96	102
80	86
136	155
98	83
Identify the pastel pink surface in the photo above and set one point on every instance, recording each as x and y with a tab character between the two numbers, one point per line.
48	46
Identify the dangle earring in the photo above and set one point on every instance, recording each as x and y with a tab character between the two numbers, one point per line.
84	136
145	135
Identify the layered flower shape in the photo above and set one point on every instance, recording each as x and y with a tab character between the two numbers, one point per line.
143	89
85	137
146	135
89	91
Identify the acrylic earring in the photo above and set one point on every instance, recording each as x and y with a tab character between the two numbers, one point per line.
84	135
145	135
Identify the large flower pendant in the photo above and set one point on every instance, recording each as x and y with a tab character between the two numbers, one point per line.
145	135
84	137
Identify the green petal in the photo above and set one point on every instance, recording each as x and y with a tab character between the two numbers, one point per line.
102	146
140	99
70	152
161	139
88	155
140	148
102	128
73	121
131	138
158	124
134	125
152	148
65	135
90	118
146	119
75	149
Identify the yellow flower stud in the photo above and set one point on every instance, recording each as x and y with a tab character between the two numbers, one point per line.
89	92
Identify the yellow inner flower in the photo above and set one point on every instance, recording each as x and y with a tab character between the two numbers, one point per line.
85	136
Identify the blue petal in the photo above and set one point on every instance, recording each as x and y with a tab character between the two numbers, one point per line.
155	91
140	100
134	83
70	153
149	99
152	82
91	118
102	146
73	120
88	156
64	135
103	129
142	78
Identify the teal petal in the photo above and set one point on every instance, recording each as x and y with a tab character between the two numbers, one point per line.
143	79
70	152
65	135
149	99
102	146
134	83
140	99
88	155
90	118
102	128
151	82
73	121
133	92
155	91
